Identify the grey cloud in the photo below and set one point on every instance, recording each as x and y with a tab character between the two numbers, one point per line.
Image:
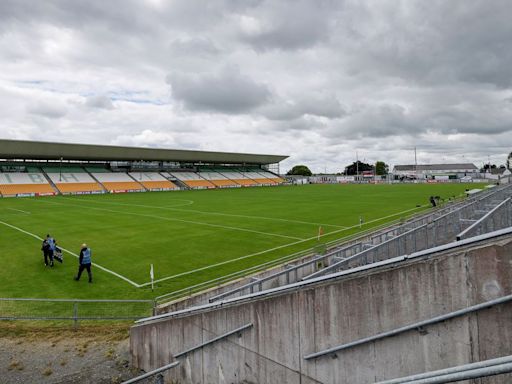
99	101
51	110
227	91
317	105
315	78
286	25
202	47
434	42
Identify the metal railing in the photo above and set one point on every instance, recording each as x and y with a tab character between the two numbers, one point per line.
330	277
498	366
424	231
155	372
416	326
498	217
217	282
74	309
184	353
433	231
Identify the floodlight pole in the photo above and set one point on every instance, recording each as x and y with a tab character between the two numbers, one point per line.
60	169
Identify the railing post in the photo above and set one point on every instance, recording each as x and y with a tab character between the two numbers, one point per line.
75	315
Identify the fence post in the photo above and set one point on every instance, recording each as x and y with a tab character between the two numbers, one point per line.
75	315
154	307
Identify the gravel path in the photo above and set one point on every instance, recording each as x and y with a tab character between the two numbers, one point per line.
45	356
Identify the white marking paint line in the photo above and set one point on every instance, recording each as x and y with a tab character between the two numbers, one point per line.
19	210
177	220
73	254
273	249
210	213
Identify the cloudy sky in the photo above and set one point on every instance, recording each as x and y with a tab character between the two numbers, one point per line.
316	80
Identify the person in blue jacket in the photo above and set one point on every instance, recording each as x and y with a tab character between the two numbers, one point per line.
84	262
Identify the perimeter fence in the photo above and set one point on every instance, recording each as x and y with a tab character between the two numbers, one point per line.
74	310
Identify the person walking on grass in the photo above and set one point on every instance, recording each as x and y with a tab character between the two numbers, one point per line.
45	247
84	262
48	247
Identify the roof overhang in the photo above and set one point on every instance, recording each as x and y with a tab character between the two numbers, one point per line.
39	150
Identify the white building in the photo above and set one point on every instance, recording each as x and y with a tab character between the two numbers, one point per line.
436	171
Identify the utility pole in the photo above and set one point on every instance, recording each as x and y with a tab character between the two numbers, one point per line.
357	167
415	164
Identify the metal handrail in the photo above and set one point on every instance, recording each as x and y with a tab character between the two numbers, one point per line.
215	339
410	327
446	371
363	252
152	373
462	372
372	233
483	218
336	275
186	352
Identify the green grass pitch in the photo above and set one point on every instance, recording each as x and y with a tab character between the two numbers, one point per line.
184	233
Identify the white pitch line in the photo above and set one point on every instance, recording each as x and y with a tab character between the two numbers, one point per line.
273	249
178	220
19	210
73	254
209	213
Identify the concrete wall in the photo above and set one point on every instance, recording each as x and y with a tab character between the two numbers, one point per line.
294	324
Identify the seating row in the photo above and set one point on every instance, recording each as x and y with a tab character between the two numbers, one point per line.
55	181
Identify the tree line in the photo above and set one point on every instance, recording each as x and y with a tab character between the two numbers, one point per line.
380	168
356	168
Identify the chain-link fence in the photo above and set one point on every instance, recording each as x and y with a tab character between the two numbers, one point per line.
74	310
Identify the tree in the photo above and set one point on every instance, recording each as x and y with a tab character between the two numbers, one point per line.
509	161
357	167
301	170
381	168
488	167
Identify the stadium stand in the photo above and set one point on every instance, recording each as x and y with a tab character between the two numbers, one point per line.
153	181
97	169
218	179
270	176
259	178
193	180
73	180
239	178
109	168
117	181
19	184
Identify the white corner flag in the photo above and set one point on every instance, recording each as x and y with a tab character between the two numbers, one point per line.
152	275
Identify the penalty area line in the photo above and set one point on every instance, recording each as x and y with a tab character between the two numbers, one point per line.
73	254
275	248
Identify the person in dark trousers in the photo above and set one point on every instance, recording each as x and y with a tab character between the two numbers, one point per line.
48	247
51	243
84	262
45	247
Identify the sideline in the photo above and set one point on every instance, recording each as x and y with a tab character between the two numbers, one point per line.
275	248
73	254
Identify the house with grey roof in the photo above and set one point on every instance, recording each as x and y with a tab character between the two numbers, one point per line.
433	171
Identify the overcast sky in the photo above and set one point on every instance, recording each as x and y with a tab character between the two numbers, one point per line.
316	80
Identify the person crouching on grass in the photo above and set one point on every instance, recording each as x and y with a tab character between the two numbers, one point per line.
84	262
